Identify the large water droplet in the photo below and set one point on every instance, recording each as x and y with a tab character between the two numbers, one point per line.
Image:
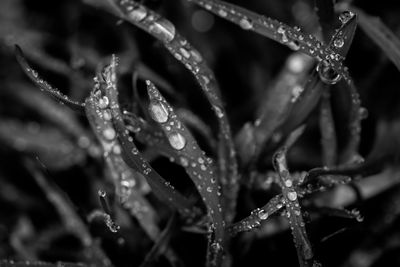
138	13
292	195
158	111
327	74
163	29
338	43
109	134
176	140
246	24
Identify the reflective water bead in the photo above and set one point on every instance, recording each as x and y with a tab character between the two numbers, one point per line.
163	29
327	74
288	183
102	193
262	214
222	13
184	162
109	134
138	13
292	195
245	24
338	43
158	111
103	102
176	140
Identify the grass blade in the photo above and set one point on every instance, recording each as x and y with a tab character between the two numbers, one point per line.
275	30
43	85
304	249
257	216
129	151
199	167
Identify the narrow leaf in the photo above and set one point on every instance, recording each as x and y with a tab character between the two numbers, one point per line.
43	85
199	167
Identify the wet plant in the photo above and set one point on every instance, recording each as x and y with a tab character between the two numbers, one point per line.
171	179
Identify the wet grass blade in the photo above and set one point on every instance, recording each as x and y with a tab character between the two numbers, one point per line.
304	249
197	165
129	152
275	30
257	216
350	154
163	30
43	85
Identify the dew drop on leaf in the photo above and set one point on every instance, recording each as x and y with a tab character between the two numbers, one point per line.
163	29
138	14
158	111
176	140
245	24
109	134
338	43
327	74
262	214
292	195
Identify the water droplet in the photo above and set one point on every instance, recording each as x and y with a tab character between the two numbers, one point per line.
158	111
262	214
109	134
107	115
135	151
176	140
184	52
288	183
345	16
117	149
184	161
245	24
338	43
103	102
292	195
218	111
163	29
138	14
222	13
209	189
327	74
